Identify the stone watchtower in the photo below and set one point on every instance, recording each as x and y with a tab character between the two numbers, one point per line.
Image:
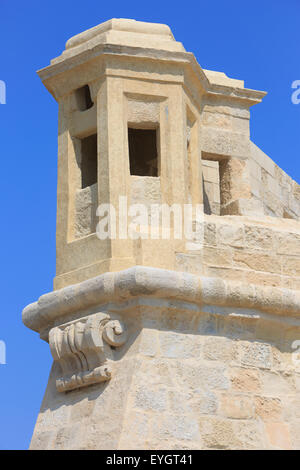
166	341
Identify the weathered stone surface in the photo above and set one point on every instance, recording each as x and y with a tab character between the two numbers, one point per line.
269	409
180	345
245	380
219	433
256	355
278	436
174	342
237	406
219	349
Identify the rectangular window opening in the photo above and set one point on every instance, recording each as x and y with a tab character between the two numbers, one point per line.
89	161
83	98
211	187
143	156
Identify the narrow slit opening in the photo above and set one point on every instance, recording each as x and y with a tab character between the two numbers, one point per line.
211	187
83	98
89	161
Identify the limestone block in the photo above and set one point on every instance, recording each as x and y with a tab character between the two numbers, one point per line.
203	402
256	187
85	216
231	234
262	159
178	427
149	342
209	377
236	406
223	142
145	190
258	355
291	266
210	234
217	256
136	431
250	207
245	380
43	441
219	349
288	243
258	262
276	384
269	409
220	78
278	435
274	186
143	112
255	170
147	398
251	434
219	433
176	345
259	238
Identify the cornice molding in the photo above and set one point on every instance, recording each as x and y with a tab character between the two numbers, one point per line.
186	60
140	282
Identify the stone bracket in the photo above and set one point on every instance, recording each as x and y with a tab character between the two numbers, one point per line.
78	347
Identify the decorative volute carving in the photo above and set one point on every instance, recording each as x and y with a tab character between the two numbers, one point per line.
79	349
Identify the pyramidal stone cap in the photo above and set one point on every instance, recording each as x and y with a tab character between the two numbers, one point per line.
123	32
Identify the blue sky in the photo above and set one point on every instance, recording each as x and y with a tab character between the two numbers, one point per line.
257	41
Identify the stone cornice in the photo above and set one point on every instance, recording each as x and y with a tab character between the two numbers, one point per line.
141	282
187	61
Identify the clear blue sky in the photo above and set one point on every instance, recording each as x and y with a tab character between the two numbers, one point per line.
257	41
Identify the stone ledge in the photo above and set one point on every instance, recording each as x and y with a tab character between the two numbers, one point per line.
186	60
142	282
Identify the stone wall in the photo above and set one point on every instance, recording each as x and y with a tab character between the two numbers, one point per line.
262	251
270	185
278	192
187	379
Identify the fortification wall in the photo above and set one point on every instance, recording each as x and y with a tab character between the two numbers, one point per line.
270	185
188	377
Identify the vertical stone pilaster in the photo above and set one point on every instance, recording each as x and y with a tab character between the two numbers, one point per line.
113	162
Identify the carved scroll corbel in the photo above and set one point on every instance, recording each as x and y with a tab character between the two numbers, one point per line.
79	349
